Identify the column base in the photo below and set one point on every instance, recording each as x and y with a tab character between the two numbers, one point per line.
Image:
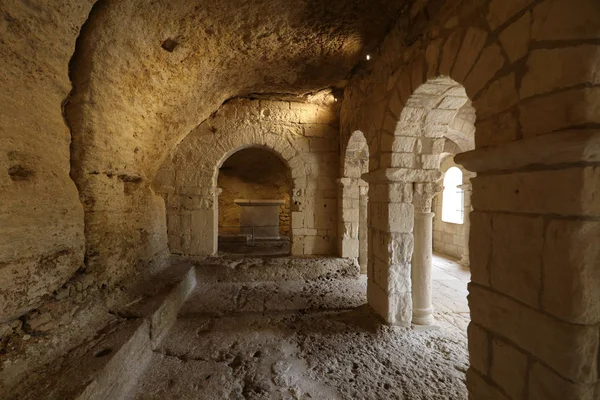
423	317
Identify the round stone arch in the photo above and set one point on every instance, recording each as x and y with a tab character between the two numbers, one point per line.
535	131
264	149
193	202
401	192
353	197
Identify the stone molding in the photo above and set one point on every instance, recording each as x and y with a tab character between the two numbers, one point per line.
402	175
551	149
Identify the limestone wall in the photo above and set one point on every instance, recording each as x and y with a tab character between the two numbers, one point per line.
134	100
448	238
41	217
530	68
304	135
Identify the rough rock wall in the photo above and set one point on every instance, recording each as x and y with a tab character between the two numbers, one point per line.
530	68
448	238
146	74
253	174
41	218
304	135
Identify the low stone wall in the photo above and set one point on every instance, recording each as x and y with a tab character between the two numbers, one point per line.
119	376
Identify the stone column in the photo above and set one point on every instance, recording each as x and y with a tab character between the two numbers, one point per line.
200	221
423	253
467	189
363	229
348	218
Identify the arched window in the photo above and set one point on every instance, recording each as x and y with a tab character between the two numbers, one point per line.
452	197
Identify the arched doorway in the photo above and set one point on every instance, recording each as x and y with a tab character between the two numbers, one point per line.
254	210
409	177
354	199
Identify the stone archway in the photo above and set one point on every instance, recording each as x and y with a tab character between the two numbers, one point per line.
189	183
196	207
353	192
259	176
401	194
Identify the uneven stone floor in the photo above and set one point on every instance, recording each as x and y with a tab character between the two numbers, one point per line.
274	330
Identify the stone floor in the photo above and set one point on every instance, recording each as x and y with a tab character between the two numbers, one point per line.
268	329
450	291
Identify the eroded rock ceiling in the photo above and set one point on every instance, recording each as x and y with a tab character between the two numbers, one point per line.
146	72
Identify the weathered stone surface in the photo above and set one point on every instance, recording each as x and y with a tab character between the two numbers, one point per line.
560	110
545	384
560	20
479	349
449	52
471	47
535	192
509	369
489	63
499	129
41	217
516	263
479	388
498	97
515	38
432	55
572	293
501	11
312	165
480	244
537	333
551	70
560	148
144	78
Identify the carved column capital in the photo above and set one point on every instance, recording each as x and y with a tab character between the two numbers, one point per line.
466	187
423	194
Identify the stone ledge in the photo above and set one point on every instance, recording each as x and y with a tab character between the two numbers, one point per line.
402	175
546	150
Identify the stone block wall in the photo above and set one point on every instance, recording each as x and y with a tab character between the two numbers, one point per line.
530	69
303	135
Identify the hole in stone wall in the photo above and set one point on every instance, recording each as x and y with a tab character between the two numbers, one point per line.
169	45
20	173
103	352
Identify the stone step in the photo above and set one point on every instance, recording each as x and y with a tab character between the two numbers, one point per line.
261	297
273	269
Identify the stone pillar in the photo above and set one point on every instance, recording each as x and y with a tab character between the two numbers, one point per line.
467	189
198	229
423	253
391	222
363	229
348	219
535	281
